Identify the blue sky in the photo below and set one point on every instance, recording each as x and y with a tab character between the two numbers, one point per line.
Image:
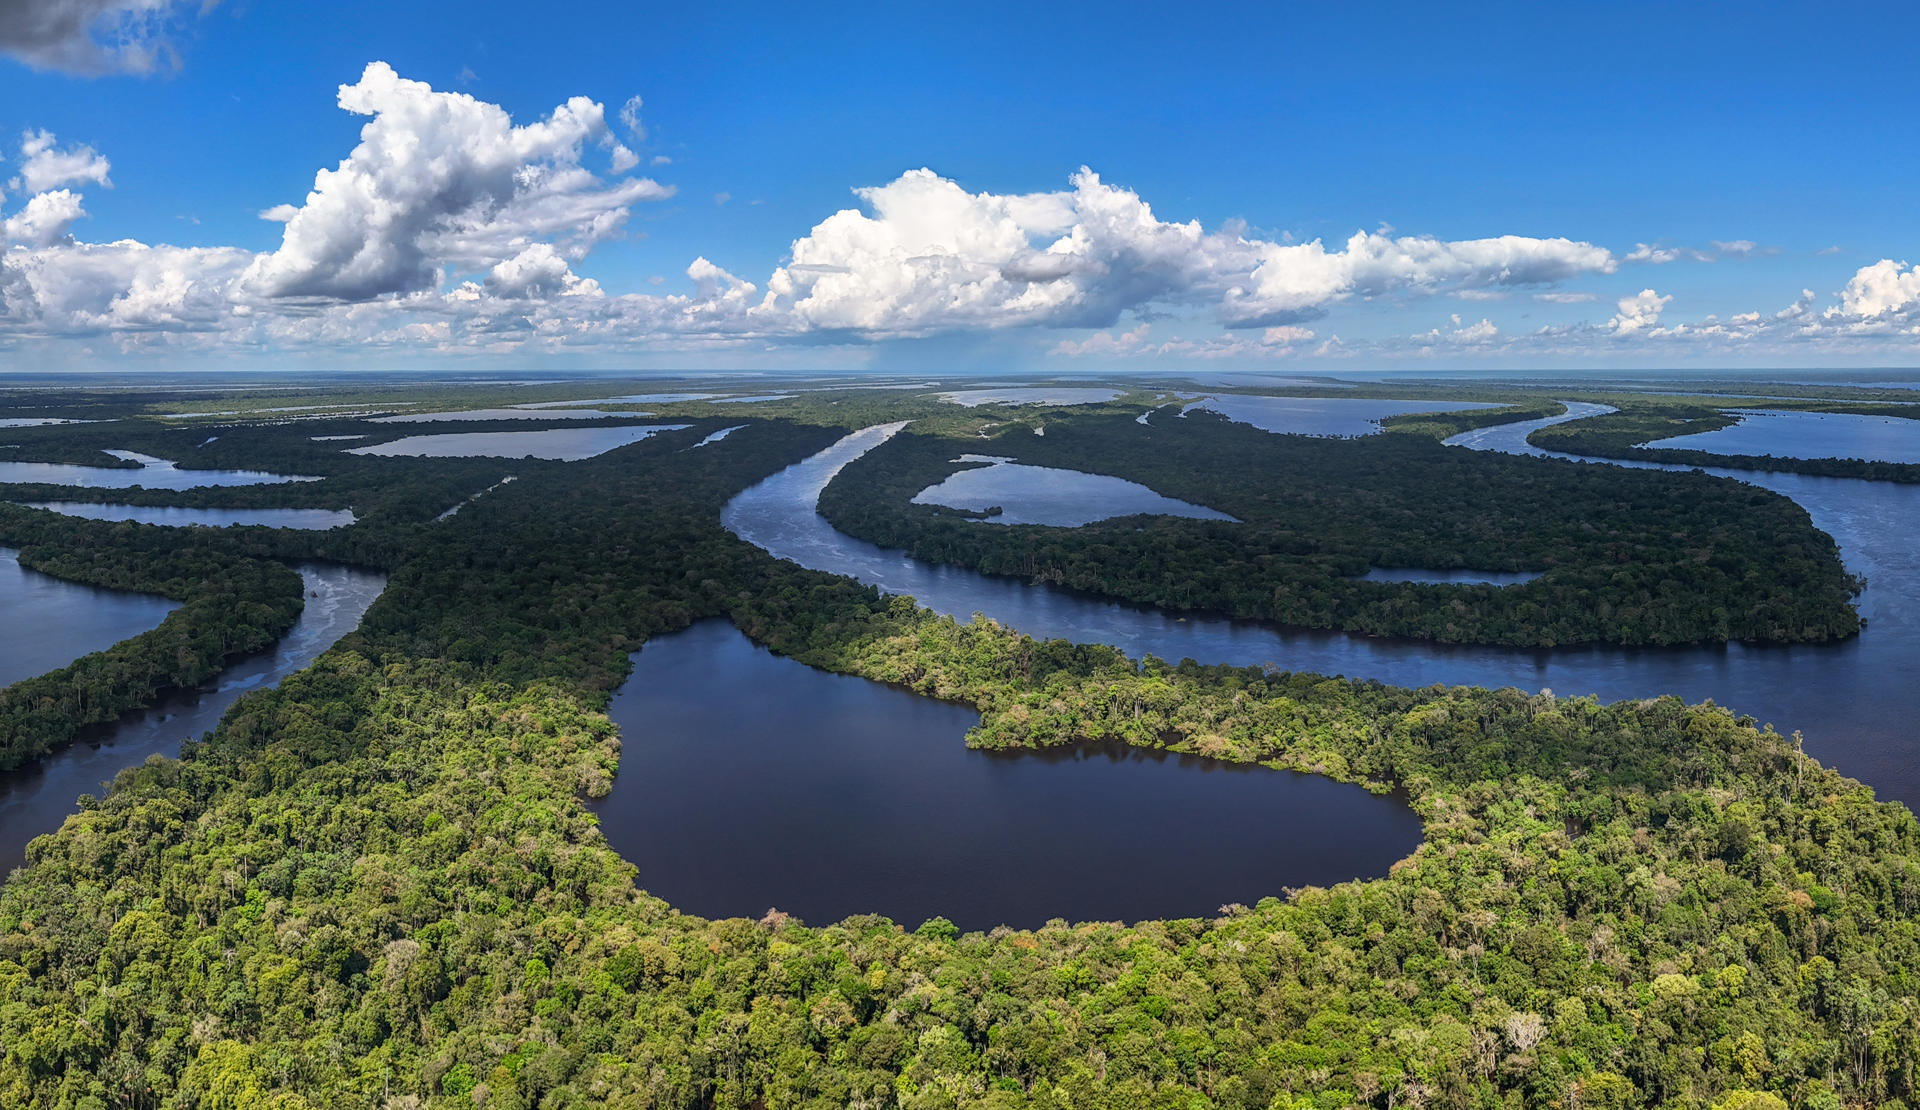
1642	132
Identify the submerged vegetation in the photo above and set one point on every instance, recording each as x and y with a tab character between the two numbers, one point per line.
378	884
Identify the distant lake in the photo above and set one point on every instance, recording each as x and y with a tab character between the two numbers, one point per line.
1048	495
559	444
715	437
292	408
50	622
152	474
1036	395
499	414
624	399
749	781
1809	435
306	519
1263	381
1321	416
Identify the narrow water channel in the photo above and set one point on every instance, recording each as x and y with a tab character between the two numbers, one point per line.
34	800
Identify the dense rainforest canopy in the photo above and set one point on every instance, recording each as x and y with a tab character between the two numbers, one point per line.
378	885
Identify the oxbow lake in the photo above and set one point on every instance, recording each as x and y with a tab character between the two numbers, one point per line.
749	781
870	802
1049	495
557	444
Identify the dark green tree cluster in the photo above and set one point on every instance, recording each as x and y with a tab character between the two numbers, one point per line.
1441	425
1630	557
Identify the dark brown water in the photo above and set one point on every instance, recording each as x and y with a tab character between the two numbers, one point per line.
749	781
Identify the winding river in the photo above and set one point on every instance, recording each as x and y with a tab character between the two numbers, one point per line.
34	800
1856	701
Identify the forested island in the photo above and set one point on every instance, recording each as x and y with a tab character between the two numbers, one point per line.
1630	558
1635	432
379	883
232	605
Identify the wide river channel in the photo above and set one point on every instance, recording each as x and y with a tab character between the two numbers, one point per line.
1857	700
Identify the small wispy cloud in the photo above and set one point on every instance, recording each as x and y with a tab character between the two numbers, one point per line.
1661	255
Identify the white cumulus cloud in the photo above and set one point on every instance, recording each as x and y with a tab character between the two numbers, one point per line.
441	180
1661	255
449	227
44	220
930	255
1293	280
82	288
1639	313
537	271
1481	332
1884	288
43	165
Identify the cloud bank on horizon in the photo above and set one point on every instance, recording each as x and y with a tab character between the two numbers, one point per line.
450	228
